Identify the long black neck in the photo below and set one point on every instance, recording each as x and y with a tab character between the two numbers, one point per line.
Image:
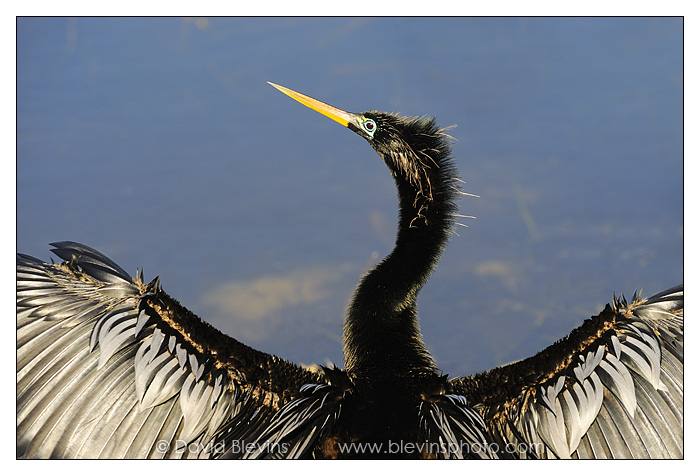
381	333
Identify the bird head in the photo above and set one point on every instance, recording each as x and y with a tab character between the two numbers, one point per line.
413	148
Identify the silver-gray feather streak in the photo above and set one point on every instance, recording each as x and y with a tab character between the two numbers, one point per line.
295	429
621	398
453	430
97	378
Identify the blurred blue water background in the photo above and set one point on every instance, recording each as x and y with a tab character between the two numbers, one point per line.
158	142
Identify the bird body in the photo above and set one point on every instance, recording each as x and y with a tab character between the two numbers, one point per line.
109	366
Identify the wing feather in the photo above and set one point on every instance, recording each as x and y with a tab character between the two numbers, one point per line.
293	431
611	389
110	367
452	429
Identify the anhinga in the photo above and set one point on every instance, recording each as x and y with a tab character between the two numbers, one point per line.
110	366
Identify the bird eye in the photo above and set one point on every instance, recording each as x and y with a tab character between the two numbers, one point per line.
369	126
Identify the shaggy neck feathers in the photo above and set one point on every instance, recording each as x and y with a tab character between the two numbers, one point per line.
381	329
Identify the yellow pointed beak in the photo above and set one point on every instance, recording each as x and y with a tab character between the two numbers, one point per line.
338	115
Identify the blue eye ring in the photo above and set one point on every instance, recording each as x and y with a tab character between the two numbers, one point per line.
369	126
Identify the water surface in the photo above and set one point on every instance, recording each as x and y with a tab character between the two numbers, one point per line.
158	142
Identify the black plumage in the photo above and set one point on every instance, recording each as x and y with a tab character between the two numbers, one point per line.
109	366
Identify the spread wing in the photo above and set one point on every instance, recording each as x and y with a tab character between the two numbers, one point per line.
612	389
109	367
